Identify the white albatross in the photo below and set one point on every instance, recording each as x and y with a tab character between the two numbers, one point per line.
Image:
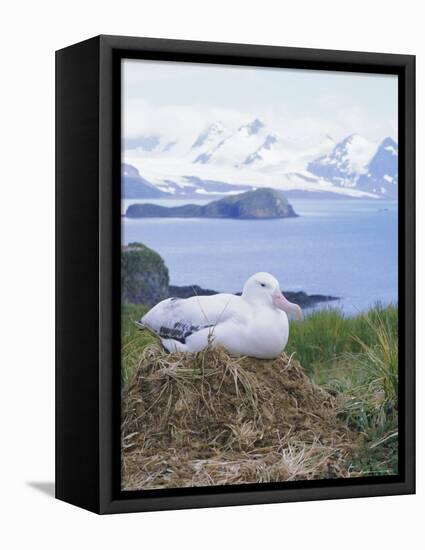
253	324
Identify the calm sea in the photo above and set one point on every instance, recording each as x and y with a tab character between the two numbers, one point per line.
345	248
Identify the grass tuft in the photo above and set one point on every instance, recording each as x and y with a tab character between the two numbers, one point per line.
133	340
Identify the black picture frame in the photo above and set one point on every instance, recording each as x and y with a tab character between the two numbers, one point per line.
88	149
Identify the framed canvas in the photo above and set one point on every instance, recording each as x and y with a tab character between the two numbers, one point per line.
235	274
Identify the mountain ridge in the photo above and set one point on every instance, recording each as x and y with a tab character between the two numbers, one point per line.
253	155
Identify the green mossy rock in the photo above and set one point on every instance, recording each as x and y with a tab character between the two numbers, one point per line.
144	275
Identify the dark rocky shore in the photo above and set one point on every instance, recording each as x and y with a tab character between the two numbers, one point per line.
301	298
145	280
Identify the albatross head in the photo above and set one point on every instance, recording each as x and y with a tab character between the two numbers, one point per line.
263	288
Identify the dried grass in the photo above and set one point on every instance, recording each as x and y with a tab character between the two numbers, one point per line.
212	419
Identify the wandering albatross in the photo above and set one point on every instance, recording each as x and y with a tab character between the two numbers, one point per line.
253	324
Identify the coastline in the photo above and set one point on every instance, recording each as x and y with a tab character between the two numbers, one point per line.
299	297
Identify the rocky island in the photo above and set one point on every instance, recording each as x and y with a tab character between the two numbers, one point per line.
262	203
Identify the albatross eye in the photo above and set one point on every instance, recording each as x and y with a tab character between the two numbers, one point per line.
263	284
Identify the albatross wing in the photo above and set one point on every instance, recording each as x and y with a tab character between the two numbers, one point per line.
175	320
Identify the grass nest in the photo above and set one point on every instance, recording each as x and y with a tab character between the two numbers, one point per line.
212	419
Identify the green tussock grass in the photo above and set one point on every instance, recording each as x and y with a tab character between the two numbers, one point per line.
355	358
326	334
133	340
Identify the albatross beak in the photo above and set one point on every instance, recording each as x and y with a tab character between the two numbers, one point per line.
282	303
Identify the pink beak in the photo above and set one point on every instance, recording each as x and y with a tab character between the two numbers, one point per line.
282	303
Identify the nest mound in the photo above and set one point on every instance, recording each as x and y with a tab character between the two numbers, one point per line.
212	419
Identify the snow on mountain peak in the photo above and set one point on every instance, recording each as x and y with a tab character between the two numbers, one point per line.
252	127
355	151
219	146
346	161
258	154
382	170
358	163
210	134
390	145
208	141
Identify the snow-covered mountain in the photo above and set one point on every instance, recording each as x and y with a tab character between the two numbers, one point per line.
222	146
208	141
222	160
357	163
136	187
382	171
262	153
347	160
249	144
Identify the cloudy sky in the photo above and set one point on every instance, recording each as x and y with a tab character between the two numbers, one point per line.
180	99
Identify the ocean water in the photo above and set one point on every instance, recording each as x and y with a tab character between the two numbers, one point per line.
345	248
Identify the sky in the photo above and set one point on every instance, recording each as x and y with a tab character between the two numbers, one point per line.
302	106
